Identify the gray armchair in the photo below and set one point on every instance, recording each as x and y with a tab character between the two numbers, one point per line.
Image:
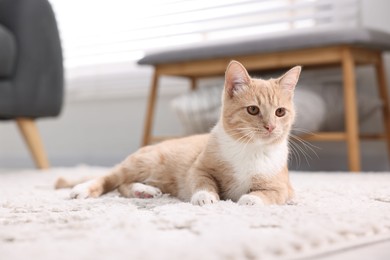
31	70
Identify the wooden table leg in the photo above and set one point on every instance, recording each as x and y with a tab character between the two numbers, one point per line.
31	135
194	83
384	95
351	114
150	110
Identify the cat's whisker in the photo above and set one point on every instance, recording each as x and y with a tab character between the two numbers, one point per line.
303	149
306	144
247	132
234	133
306	147
245	136
297	152
254	129
248	141
239	130
247	128
305	131
294	153
303	152
302	130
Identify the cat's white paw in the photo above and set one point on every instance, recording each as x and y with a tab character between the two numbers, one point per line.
139	190
250	200
203	197
82	191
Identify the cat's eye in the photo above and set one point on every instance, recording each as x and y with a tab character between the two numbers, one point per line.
281	111
253	110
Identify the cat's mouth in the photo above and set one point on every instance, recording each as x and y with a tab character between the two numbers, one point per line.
257	134
269	136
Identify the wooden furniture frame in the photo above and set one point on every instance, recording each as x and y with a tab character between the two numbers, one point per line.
31	136
345	56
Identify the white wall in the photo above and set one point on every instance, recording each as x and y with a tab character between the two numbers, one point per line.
97	130
103	128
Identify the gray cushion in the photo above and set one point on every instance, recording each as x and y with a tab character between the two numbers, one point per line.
7	52
274	43
35	88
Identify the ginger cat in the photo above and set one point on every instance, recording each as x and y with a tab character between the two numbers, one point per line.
243	159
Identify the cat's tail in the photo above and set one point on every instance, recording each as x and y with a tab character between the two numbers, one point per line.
64	183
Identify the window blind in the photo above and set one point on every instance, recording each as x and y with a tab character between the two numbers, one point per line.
110	32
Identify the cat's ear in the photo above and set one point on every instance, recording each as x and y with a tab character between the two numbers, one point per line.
236	77
290	79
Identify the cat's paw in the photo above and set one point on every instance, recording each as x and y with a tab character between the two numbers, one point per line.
204	197
250	200
82	191
143	191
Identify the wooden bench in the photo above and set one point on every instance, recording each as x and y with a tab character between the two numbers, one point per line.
345	48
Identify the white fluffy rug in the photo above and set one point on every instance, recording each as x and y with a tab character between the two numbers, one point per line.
331	211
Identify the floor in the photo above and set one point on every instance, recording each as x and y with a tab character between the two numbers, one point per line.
378	251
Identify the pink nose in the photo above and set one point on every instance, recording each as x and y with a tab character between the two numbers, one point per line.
269	128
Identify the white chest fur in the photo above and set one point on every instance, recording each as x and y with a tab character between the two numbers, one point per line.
249	160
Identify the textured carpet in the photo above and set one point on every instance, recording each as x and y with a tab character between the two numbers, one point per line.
330	212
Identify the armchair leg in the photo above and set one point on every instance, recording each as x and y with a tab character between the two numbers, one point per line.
31	136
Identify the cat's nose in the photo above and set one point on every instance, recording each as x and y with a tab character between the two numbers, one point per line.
269	127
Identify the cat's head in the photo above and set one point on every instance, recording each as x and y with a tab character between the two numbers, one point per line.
256	110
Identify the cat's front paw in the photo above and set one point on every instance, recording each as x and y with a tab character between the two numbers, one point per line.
250	200
204	197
